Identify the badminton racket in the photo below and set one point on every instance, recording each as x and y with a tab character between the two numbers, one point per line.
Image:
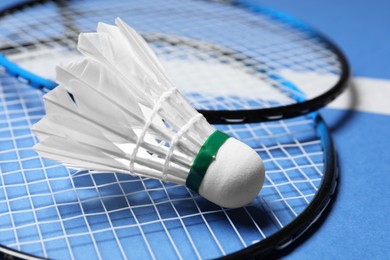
268	49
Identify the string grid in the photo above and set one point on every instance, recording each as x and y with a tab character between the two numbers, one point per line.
49	210
262	45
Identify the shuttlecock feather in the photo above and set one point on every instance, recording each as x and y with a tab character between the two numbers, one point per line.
116	110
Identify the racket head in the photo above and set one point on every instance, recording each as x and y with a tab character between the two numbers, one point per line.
267	50
47	209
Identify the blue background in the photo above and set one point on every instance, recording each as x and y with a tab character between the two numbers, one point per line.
357	226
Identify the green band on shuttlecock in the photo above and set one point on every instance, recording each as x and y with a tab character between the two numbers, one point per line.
204	158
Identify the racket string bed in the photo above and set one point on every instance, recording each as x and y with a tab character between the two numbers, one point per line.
146	201
277	48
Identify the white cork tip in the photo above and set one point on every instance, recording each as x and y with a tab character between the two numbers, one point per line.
235	177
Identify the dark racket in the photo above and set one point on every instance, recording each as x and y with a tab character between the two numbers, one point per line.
239	64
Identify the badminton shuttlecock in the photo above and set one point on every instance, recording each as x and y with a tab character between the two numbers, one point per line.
116	110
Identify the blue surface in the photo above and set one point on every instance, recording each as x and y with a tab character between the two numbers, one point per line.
358	224
360	28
